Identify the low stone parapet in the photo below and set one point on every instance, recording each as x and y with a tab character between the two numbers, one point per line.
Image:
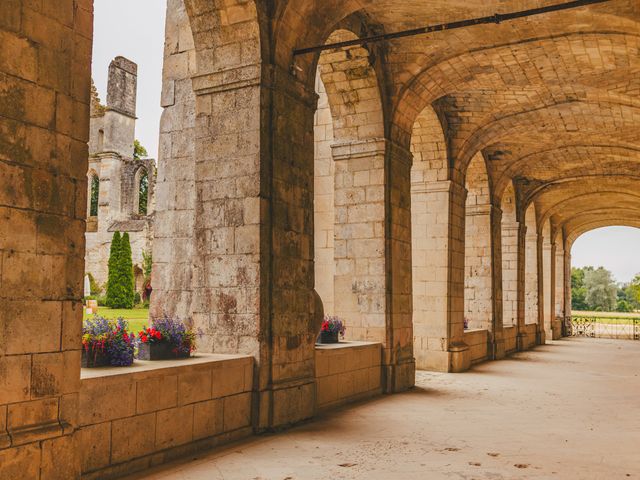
476	340
132	418
347	371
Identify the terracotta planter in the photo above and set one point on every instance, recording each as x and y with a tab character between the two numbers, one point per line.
159	351
328	337
92	358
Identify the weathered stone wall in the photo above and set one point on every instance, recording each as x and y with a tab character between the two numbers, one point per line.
45	62
132	419
174	268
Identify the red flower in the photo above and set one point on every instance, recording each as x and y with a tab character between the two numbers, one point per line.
325	326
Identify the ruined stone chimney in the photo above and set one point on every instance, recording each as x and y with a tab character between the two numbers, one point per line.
122	87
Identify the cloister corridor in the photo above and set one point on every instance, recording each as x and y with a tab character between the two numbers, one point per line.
565	411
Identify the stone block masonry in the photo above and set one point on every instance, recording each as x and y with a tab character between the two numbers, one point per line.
134	418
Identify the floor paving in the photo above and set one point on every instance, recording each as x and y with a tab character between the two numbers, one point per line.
567	410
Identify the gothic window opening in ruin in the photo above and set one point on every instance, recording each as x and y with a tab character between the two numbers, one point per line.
143	191
94	195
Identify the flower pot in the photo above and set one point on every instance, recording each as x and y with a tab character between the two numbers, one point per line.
159	351
328	337
94	357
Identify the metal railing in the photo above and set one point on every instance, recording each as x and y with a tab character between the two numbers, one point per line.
621	328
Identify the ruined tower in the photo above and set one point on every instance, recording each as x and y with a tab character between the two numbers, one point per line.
120	187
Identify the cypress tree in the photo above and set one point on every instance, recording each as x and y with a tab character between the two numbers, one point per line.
120	287
113	260
128	282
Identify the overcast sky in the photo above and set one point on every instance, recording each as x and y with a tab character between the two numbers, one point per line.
615	248
133	29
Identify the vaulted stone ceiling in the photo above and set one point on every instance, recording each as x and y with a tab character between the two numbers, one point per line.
552	101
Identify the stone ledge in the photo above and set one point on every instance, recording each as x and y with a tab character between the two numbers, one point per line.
143	366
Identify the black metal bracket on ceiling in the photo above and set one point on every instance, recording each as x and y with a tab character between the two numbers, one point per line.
496	18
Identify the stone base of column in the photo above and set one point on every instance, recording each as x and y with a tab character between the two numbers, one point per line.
498	349
455	360
459	358
541	337
284	405
399	377
556	328
522	341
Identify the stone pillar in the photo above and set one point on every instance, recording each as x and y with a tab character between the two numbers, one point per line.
253	290
531	277
548	253
483	273
544	295
496	336
44	130
540	301
522	258
174	242
559	292
373	251
438	252
510	272
567	291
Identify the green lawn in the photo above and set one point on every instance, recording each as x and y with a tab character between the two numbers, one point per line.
137	317
611	318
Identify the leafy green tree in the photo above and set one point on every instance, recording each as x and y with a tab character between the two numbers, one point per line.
623	306
120	286
578	290
139	151
601	290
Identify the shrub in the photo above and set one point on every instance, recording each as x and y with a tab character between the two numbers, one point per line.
136	298
120	291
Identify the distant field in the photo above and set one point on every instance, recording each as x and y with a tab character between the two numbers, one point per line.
137	317
611	318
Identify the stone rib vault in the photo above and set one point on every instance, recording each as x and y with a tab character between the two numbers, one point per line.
412	187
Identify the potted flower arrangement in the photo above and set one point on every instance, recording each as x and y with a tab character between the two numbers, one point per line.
332	328
167	338
106	342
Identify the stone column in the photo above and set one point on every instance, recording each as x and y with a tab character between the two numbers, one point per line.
373	251
174	242
510	272
559	292
522	258
496	336
438	252
567	291
253	290
44	129
544	322
547	301
483	273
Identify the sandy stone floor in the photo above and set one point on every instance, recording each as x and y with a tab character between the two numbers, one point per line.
568	410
